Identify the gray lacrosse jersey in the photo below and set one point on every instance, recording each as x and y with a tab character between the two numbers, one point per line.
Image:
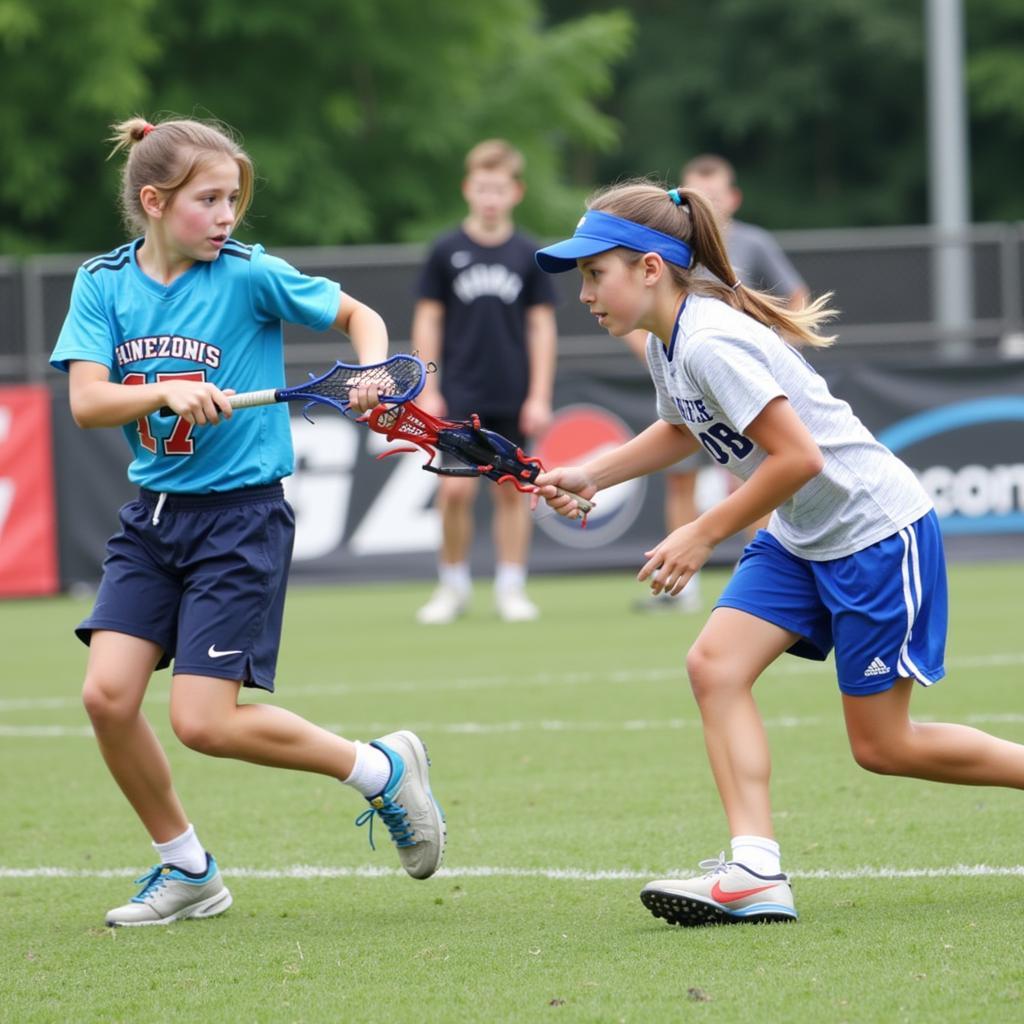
721	369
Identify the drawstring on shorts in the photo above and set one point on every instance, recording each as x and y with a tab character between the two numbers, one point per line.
159	505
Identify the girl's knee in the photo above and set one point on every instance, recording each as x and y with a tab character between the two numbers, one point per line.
108	704
876	756
708	672
203	734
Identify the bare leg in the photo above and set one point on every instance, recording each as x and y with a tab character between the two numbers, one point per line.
680	499
207	717
884	739
733	649
115	682
512	525
456	497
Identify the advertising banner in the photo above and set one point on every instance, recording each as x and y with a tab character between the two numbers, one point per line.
961	429
361	517
28	547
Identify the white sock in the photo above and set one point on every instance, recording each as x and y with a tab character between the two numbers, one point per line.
691	591
509	576
455	575
184	851
757	853
371	771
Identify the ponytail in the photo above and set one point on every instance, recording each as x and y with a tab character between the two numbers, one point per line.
687	215
127	133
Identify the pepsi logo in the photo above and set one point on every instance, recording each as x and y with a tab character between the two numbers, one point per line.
579	433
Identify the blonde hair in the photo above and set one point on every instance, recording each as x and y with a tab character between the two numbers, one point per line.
496	155
693	221
168	155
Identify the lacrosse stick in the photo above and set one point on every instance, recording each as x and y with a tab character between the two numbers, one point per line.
483	452
398	379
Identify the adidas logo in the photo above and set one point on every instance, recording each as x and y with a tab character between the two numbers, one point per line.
876	668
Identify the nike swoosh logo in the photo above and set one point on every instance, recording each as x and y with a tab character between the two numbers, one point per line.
214	653
719	895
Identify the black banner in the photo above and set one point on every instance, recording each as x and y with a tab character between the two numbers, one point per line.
961	428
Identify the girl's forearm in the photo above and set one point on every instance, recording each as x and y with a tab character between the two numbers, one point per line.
658	447
776	480
369	335
110	404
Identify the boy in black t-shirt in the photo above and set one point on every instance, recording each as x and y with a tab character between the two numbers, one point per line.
485	314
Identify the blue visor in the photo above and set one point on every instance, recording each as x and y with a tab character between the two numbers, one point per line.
599	232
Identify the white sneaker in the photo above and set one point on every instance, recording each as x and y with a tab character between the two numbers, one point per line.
515	606
407	806
170	894
689	600
728	893
446	604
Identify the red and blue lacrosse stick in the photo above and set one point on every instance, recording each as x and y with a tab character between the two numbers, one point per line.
482	452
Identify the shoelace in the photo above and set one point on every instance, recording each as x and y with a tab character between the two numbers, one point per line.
393	816
715	866
150	882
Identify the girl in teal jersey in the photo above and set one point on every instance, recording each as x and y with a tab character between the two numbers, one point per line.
181	317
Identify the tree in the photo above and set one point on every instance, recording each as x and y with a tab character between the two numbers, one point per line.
820	104
995	75
357	115
67	69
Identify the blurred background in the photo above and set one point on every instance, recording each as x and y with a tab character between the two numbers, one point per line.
879	142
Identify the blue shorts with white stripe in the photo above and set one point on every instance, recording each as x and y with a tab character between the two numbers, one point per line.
883	609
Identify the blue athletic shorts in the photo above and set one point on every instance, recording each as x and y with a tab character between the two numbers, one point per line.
206	581
884	609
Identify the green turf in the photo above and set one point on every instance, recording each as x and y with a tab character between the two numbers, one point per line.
562	749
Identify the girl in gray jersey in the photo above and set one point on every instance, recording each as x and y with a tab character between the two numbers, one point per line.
852	556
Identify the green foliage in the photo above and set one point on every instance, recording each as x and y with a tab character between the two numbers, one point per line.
995	75
357	115
821	106
818	105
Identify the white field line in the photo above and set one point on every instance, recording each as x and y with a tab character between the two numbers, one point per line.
624	676
36	732
313	872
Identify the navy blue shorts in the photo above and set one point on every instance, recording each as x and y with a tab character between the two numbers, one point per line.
206	582
884	609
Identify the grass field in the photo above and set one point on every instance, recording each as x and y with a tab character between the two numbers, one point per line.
569	761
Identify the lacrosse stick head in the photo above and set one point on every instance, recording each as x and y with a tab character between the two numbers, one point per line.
397	379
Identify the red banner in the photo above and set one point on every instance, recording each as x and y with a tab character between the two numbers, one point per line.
28	524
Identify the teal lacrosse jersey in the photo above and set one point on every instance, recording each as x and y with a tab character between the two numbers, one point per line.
219	321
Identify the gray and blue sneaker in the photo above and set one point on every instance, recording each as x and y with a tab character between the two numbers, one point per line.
169	894
407	807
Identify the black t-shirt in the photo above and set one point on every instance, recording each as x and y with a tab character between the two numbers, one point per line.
486	291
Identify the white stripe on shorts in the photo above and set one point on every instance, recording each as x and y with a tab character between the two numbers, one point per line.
911	569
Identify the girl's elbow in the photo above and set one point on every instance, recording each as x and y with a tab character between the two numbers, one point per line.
814	463
84	415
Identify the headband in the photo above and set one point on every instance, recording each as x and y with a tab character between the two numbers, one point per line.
598	232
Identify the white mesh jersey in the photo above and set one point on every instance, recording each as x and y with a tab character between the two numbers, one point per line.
721	368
